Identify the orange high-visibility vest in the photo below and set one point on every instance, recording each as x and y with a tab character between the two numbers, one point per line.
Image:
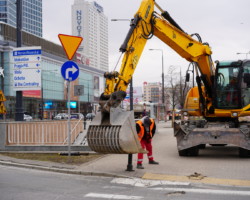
141	133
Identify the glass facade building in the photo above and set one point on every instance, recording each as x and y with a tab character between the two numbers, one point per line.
90	22
32	15
53	95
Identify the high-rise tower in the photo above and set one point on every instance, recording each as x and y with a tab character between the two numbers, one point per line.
32	15
89	22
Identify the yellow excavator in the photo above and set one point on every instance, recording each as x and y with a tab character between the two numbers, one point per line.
212	108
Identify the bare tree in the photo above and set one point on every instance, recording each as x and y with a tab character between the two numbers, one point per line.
184	87
177	87
173	87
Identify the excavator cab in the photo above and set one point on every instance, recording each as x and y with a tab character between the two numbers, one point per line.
232	85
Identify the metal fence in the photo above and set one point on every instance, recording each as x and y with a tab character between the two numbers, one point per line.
42	132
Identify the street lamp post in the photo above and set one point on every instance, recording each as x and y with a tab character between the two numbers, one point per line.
244	53
163	99
130	156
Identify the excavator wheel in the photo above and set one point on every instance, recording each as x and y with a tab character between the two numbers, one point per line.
191	152
244	153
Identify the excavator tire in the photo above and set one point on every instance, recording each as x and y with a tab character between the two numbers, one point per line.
191	152
244	153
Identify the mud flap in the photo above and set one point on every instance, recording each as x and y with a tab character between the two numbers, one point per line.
114	133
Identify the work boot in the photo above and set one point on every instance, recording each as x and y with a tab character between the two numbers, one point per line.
139	166
153	162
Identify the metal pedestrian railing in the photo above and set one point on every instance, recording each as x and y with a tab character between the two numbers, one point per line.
42	132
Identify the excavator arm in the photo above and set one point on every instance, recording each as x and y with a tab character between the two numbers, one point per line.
117	82
148	23
108	133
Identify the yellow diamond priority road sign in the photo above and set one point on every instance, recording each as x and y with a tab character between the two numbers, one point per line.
70	44
2	108
2	99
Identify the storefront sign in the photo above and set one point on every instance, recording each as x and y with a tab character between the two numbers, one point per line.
98	7
79	22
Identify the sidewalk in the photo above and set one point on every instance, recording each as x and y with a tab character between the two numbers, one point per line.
117	163
203	169
108	165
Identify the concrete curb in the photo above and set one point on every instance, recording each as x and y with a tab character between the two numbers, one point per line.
103	174
60	170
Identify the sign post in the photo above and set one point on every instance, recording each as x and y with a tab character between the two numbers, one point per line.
19	24
69	71
69	125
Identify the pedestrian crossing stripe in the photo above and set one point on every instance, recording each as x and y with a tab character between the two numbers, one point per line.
2	97
2	108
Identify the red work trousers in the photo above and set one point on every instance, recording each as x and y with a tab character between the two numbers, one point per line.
148	146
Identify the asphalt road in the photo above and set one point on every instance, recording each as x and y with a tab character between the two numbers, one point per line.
20	184
212	162
218	162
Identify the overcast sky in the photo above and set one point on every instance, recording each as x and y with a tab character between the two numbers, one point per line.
224	24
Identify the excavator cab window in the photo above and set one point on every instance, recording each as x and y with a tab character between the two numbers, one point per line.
245	85
227	86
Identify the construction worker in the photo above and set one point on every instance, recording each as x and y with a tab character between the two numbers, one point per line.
145	129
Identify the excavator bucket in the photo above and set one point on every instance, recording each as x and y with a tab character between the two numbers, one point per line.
114	133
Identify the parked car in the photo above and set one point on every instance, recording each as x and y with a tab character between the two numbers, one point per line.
90	116
27	117
76	116
61	116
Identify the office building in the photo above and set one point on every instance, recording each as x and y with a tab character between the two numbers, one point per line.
152	92
53	93
89	22
32	15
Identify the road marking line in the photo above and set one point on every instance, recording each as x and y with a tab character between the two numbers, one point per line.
145	183
205	180
206	191
112	196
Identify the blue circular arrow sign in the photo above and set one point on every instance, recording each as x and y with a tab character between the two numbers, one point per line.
70	71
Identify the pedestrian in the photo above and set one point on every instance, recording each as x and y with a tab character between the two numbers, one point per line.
146	128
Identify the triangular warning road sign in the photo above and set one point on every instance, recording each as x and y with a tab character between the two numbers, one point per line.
70	44
2	97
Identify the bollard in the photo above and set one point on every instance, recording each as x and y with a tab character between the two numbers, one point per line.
130	165
84	124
